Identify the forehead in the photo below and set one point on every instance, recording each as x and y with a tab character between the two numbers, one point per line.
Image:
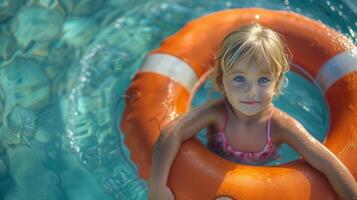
243	66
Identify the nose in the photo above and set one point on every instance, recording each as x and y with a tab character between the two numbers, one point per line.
251	90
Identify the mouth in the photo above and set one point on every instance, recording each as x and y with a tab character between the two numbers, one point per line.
250	102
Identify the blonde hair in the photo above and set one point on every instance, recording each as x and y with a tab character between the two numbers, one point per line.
257	43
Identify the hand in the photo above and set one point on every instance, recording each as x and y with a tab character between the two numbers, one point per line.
161	193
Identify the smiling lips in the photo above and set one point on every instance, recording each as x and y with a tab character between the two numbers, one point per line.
250	102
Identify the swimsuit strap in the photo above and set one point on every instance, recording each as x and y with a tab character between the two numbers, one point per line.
225	117
268	125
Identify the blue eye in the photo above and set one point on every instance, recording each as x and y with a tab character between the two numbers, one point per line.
263	80
239	79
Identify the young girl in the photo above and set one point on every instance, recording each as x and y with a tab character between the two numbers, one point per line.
245	127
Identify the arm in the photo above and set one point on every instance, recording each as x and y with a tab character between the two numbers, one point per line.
320	157
171	137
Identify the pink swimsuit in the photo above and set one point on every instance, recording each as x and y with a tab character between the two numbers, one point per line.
220	146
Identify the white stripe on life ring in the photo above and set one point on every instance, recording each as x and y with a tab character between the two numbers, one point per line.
172	67
335	68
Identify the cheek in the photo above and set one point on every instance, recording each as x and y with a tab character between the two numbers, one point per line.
267	93
237	88
237	91
233	88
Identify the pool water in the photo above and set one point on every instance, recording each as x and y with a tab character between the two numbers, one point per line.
64	69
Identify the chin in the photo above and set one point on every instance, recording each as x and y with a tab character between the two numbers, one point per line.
249	113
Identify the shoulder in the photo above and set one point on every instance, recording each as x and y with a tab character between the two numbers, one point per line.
197	118
208	110
289	130
285	126
211	111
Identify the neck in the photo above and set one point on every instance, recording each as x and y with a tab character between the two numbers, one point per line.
249	119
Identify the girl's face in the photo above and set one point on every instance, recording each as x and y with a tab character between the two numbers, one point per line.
247	88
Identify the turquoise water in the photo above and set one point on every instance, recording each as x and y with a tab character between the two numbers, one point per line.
64	68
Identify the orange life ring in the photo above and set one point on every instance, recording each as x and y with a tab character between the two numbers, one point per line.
162	89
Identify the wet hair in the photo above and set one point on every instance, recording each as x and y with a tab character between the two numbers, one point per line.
258	44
